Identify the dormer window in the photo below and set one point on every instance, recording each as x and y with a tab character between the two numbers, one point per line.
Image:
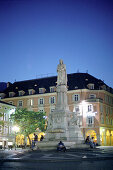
52	89
91	86
41	90
21	93
2	95
31	91
11	94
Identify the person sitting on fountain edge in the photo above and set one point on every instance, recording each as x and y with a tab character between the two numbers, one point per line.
61	146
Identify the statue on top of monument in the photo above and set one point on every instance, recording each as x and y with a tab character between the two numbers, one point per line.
62	75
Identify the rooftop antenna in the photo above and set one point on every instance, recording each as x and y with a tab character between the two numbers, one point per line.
86	71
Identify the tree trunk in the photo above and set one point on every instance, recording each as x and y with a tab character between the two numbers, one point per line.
29	141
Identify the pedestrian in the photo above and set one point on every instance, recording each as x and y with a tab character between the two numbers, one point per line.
42	137
35	139
87	141
92	143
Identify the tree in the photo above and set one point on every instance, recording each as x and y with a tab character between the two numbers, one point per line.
29	121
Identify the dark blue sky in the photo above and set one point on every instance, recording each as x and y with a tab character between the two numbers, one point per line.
35	34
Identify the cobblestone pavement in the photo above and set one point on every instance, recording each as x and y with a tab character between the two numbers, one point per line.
76	159
75	154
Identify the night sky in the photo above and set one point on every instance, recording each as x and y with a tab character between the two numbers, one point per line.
35	34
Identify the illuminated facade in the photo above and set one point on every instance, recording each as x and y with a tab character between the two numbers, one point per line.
88	97
6	133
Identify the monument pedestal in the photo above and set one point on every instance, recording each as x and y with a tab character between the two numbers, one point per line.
52	145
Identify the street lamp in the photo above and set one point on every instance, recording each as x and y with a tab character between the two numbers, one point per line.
15	129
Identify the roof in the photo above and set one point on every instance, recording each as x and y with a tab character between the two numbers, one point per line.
6	103
75	81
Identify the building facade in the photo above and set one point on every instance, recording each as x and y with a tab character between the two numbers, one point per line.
90	98
6	132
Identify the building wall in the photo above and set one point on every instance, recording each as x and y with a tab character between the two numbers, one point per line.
102	113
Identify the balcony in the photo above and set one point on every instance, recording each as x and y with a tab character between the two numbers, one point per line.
95	100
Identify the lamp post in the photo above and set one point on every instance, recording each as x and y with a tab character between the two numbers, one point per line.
15	129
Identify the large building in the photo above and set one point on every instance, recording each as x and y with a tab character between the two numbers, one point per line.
88	97
6	131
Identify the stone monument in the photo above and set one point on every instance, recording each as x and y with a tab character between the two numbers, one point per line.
62	124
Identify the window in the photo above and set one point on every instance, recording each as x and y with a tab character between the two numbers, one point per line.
90	120
107	120
10	130
5	129
90	108
76	97
52	89
41	90
102	119
31	91
5	117
101	107
11	102
20	103
77	109
2	95
0	128
20	93
106	111
91	86
1	117
52	100
11	94
92	96
30	102
41	101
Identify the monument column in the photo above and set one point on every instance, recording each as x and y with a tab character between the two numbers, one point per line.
61	87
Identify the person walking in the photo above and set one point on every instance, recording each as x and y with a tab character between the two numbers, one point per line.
35	139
